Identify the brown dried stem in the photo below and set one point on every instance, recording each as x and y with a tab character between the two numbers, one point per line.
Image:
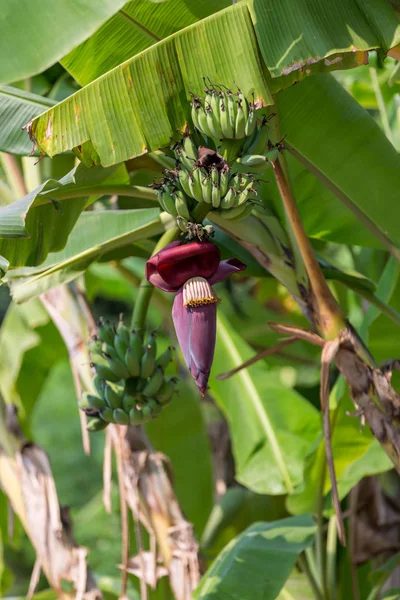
27	480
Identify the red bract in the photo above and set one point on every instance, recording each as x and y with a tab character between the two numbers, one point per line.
190	270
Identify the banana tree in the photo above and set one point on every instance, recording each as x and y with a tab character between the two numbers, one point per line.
192	156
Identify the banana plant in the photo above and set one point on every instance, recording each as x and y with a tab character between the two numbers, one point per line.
183	153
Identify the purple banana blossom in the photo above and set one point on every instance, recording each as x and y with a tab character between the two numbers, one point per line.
190	270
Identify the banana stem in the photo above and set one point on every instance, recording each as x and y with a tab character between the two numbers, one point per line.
146	289
328	317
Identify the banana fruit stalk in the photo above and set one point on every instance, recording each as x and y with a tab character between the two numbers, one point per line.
130	385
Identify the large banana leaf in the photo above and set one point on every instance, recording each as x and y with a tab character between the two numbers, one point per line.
37	224
137	26
17	107
343	143
138	105
272	426
95	235
285	32
257	563
35	34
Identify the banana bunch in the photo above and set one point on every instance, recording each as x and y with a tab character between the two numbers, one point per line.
224	114
130	387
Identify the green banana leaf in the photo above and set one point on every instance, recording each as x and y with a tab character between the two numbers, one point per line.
35	35
121	119
285	32
272	426
95	236
137	26
257	563
17	107
39	223
342	142
29	347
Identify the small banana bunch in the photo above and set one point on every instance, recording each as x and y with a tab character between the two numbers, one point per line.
130	386
224	114
202	175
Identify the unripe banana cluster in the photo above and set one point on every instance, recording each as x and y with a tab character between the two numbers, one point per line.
202	175
210	163
130	385
224	114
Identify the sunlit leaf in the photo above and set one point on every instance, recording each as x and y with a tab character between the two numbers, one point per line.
37	35
40	223
272	426
17	107
96	235
257	563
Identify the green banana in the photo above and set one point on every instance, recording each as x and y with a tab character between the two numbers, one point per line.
165	358
182	224
120	417
181	205
224	177
207	189
109	351
135	344
154	383
121	346
147	413
232	110
135	416
155	407
251	122
249	141
128	402
241	117
249	160
190	149
151	344
196	106
168	202
195	185
106	331
237	212
229	199
114	395
132	362
102	368
107	415
184	181
260	143
98	385
215	191
227	129
166	391
118	367
96	424
213	123
122	330
94	344
203	123
147	364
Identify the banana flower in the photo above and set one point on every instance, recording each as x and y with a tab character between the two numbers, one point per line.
190	270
